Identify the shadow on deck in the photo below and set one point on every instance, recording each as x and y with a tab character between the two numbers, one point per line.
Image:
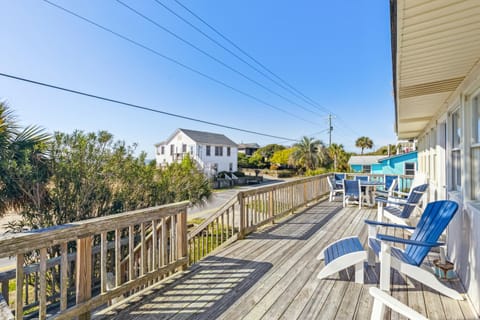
272	275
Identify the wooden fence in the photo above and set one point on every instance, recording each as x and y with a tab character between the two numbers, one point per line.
67	271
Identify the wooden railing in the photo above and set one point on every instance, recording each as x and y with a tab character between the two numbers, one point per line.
67	271
90	264
252	209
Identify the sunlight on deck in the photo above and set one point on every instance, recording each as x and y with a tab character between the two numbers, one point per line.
272	275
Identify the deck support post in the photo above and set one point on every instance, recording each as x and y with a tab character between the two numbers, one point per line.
243	212
84	273
182	242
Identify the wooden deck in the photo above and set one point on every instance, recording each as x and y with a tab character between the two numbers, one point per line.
272	275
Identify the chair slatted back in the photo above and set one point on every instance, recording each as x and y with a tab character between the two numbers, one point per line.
434	220
389	180
351	187
413	198
339	176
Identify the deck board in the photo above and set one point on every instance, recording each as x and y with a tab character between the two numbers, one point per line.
272	275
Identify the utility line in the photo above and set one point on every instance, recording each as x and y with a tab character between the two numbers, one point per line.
177	62
230	51
303	96
136	106
243	75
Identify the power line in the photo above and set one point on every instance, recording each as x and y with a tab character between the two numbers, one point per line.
228	50
136	106
175	61
219	61
303	96
298	92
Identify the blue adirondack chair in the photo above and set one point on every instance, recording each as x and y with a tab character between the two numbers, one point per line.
352	191
434	220
390	186
400	212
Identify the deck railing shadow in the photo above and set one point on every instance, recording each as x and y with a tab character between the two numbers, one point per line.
195	293
302	225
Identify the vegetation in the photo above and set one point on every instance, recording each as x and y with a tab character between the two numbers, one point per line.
338	156
364	143
283	158
77	176
309	153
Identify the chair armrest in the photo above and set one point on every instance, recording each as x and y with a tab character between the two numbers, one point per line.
384	224
387	201
384	237
401	193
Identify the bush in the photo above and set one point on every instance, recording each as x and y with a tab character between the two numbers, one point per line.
316	172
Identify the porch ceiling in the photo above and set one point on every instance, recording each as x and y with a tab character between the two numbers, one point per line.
435	45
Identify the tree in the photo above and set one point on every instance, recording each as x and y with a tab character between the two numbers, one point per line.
308	153
364	143
337	153
23	170
243	160
268	151
282	157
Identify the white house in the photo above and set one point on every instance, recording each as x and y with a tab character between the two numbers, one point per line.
213	152
436	68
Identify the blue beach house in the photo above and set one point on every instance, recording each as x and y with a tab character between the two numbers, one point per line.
401	164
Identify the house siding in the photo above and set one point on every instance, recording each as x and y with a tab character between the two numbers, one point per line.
435	160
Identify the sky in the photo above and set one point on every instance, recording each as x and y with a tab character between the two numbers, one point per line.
336	53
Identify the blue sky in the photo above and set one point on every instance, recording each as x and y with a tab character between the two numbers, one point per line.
335	52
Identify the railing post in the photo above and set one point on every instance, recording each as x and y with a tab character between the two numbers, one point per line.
19	290
305	197
182	244
241	230
271	204
84	273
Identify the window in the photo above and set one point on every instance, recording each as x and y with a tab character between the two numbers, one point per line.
475	148
208	151
171	149
476	120
191	150
456	152
409	168
218	151
228	153
162	150
230	166
367	168
184	148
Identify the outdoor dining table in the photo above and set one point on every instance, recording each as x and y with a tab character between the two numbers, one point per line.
370	187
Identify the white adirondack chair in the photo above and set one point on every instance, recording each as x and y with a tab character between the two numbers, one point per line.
434	220
383	299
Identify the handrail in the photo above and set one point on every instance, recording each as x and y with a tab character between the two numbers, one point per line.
17	243
162	251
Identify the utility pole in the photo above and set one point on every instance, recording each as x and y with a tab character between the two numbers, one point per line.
330	129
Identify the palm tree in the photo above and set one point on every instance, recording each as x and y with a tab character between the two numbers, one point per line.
335	152
309	152
364	143
22	162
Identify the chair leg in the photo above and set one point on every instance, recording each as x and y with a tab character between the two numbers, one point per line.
385	264
429	279
380	212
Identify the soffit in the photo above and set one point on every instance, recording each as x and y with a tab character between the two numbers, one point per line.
437	45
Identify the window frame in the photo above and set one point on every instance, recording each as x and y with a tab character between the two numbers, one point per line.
218	151
369	166
208	151
456	148
405	168
475	147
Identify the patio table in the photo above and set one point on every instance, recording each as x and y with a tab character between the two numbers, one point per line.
370	187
